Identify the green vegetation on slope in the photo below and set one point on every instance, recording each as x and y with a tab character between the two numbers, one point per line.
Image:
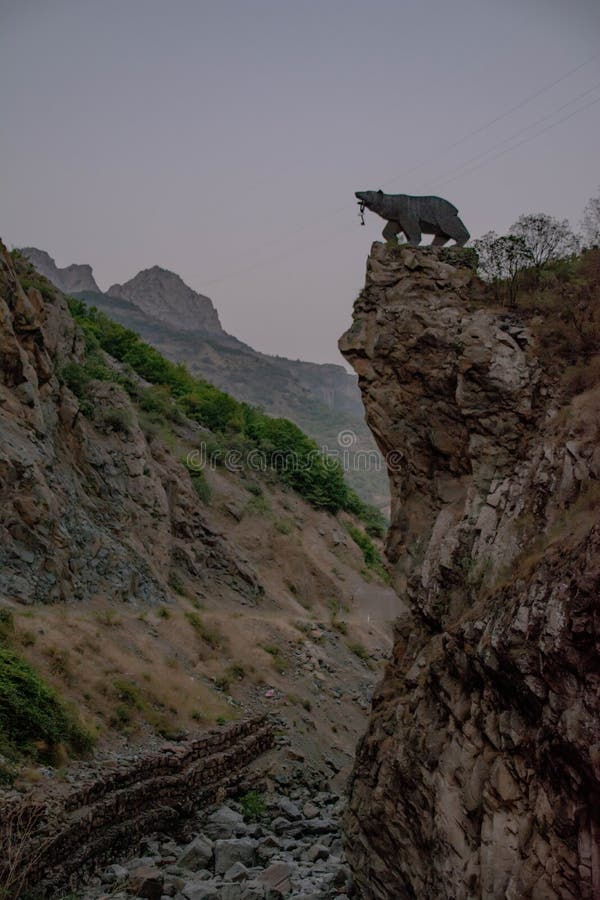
33	720
369	550
282	447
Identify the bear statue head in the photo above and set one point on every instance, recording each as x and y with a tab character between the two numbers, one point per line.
370	199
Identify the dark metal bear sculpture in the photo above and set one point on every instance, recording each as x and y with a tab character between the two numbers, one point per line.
415	216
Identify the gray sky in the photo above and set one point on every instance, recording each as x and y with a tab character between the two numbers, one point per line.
224	139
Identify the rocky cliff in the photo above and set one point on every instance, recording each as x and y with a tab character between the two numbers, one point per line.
479	773
73	278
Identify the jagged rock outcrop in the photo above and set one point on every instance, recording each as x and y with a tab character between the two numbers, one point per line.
479	772
166	297
70	280
90	505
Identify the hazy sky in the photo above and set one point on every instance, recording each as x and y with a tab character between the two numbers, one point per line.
224	140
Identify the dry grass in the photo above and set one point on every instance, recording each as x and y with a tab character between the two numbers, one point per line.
19	852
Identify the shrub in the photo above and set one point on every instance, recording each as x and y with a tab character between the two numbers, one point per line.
284	526
253	806
279	662
210	636
373	520
369	550
359	650
6	624
108	617
236	672
128	693
202	487
339	626
157	401
31	715
177	584
116	419
257	506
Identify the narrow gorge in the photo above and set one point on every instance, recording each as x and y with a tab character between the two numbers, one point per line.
479	772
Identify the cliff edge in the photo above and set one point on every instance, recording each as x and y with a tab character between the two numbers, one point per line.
479	772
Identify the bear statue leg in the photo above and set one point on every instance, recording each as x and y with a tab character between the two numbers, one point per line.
412	230
391	230
439	240
455	228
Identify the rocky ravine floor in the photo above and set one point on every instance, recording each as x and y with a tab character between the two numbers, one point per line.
294	850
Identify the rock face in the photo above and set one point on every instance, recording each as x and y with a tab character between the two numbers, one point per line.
479	772
72	486
73	278
167	298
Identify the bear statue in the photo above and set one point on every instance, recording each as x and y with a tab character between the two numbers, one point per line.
415	216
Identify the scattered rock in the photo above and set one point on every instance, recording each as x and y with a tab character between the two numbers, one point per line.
147	882
232	850
198	854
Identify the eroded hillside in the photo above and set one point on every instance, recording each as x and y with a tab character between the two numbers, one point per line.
184	325
157	598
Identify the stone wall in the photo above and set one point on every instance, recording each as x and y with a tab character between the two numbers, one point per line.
51	844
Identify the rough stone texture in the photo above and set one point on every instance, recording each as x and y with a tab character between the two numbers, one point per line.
232	850
478	775
64	838
198	854
72	486
147	882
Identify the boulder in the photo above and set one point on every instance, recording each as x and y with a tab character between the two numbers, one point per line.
277	877
147	882
289	810
225	823
310	810
198	854
237	872
200	890
232	850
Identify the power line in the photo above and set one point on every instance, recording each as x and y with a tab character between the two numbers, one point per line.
516	134
496	119
524	141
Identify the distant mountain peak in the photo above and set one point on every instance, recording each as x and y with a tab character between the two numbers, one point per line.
165	296
71	279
